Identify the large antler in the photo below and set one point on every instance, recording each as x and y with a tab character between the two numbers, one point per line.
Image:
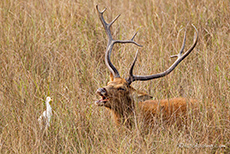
111	42
179	56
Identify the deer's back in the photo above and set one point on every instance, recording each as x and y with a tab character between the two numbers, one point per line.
168	110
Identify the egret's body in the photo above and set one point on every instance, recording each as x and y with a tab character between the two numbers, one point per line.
44	119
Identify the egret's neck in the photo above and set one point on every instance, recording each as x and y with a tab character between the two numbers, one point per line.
48	107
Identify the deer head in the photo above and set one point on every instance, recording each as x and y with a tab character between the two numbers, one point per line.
119	95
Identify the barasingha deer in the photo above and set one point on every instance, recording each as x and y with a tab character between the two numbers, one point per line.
124	101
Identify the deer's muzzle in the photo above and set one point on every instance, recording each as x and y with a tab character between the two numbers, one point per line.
103	93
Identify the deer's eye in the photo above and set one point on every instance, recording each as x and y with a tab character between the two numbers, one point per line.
121	89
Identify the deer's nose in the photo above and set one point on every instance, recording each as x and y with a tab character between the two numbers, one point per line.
101	91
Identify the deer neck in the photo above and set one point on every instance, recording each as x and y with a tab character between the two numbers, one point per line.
124	112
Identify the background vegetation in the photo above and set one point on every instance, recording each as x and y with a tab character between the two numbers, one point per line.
56	48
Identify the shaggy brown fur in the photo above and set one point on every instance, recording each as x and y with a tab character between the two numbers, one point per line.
119	97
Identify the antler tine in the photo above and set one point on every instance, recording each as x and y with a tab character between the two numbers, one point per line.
130	79
101	12
111	42
110	24
182	47
179	56
128	41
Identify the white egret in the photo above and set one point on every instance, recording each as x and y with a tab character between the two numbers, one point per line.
44	119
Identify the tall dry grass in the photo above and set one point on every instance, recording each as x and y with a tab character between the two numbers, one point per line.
56	48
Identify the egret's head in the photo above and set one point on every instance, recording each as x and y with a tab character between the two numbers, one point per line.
48	99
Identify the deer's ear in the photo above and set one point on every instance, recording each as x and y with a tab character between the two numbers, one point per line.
143	96
111	76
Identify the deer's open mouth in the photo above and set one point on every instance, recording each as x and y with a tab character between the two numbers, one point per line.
103	93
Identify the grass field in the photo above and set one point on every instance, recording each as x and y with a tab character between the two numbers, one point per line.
56	48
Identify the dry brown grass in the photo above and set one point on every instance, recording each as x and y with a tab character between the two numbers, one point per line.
56	48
